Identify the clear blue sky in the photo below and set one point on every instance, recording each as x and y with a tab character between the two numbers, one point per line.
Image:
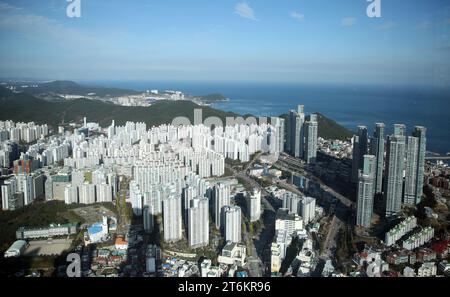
320	41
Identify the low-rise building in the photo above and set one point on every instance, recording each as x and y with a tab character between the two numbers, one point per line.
51	231
409	272
16	249
427	269
121	243
425	255
419	239
233	253
208	270
400	230
401	257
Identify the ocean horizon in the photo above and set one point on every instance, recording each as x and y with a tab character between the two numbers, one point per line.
349	105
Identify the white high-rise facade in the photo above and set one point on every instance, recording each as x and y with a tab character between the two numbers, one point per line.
221	199
104	193
308	206
395	164
415	164
198	222
366	191
233	224
254	205
172	218
86	193
311	132
292	202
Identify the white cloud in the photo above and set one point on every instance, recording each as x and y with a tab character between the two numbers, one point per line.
298	16
348	21
386	26
245	11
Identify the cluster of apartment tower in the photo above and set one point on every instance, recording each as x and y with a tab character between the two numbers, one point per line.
301	140
392	167
176	177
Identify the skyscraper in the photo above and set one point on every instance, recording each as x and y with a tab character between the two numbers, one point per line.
377	149
292	202
415	163
278	123
297	119
198	222
8	190
310	148
232	223
188	193
221	199
395	164
360	146
254	205
355	159
172	218
308	206
366	190
148	219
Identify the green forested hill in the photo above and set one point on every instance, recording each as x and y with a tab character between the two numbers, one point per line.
26	107
328	128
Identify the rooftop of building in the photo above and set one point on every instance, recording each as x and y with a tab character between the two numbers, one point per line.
17	245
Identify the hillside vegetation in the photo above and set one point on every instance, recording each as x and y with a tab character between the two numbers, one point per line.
328	128
26	107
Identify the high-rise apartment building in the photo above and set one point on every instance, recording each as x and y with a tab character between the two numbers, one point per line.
360	147
310	146
198	222
395	164
232	224
297	119
221	199
172	218
254	205
366	191
415	166
377	149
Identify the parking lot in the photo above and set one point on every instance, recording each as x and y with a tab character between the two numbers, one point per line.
47	248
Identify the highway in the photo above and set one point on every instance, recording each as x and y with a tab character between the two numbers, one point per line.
292	164
256	265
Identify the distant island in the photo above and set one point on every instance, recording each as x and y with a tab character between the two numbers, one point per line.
212	98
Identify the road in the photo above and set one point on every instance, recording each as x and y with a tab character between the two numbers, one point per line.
294	165
255	264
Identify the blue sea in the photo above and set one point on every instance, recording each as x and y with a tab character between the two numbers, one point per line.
348	105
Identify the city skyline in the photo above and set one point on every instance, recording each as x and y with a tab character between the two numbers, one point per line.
224	139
